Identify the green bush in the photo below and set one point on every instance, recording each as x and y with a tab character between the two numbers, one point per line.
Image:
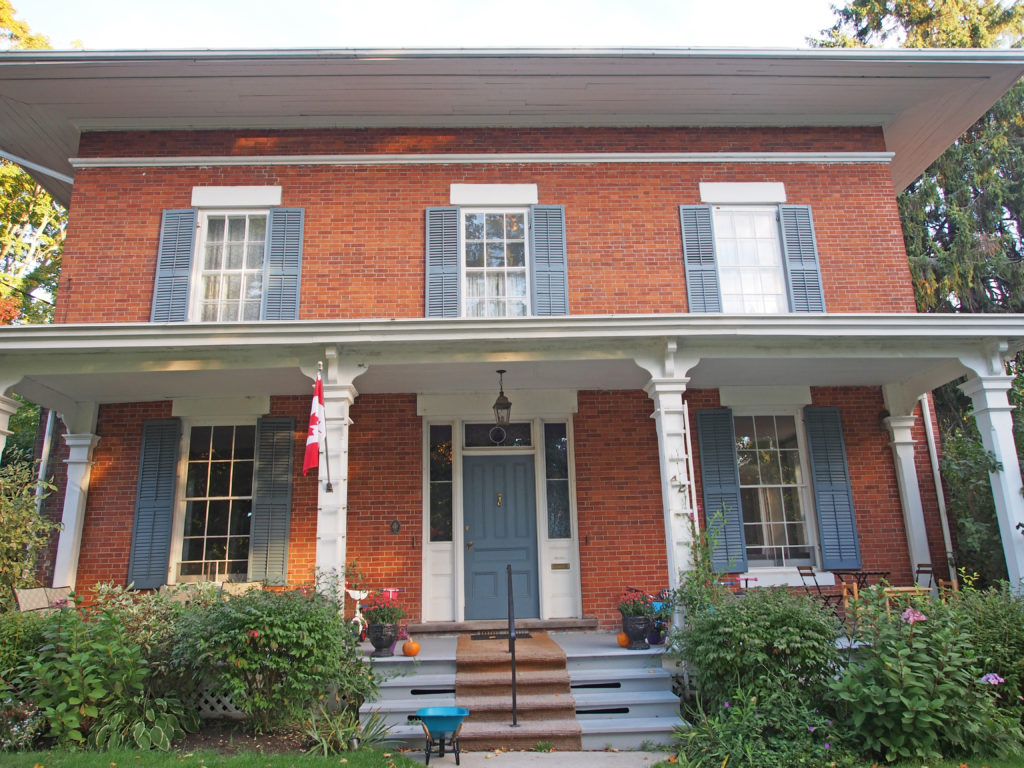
90	683
766	640
274	654
994	619
24	531
774	730
914	689
20	723
20	635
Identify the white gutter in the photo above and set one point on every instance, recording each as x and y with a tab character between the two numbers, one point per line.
933	458
36	167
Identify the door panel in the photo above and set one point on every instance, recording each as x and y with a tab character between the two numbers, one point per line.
501	529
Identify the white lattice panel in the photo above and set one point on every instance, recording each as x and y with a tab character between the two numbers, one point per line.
213	706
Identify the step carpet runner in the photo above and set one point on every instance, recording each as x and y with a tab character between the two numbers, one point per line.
545	705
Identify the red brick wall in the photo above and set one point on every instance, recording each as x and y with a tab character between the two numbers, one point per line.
386	484
364	229
618	498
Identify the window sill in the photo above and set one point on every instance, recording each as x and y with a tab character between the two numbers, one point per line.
784	577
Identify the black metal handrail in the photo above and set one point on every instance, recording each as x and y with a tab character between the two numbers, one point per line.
512	642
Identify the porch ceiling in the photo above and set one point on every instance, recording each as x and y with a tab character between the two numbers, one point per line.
60	366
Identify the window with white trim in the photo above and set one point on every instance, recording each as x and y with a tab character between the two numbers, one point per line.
218	503
750	269
494	262
228	269
773	491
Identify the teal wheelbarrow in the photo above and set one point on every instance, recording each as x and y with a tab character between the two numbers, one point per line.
441	724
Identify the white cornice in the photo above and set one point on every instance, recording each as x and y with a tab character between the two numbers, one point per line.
521	332
484	158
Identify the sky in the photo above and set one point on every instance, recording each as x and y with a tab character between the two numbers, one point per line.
162	24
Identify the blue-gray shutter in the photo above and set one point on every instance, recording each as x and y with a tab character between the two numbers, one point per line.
271	500
837	525
174	266
282	267
800	253
550	273
702	289
154	504
720	478
443	237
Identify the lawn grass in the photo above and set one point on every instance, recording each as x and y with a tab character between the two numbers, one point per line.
364	758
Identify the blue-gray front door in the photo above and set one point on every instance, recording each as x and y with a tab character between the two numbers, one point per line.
499	511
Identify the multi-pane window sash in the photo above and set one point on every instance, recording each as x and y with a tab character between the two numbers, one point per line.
230	267
750	269
494	262
218	503
772	487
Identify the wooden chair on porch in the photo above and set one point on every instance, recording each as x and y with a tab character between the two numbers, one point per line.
807	572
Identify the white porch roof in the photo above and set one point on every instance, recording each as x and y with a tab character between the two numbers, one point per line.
60	366
921	99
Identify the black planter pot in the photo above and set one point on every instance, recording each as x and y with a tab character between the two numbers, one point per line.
382	637
637	628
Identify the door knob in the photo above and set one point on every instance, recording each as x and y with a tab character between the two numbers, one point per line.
469	545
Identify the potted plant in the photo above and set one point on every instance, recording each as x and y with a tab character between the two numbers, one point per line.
636	611
661	614
382	612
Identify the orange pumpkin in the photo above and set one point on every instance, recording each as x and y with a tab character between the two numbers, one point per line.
623	639
410	647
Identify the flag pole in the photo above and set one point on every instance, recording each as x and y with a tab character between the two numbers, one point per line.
327	459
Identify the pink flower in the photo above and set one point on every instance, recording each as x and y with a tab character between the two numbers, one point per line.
912	616
992	679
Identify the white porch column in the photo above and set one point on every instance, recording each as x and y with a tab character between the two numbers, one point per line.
79	461
992	412
676	468
332	498
8	407
902	444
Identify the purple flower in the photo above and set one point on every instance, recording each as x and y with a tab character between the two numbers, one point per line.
992	679
810	728
830	722
727	705
912	616
827	745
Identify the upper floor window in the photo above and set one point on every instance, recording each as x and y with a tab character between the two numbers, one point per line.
751	259
494	262
229	272
750	271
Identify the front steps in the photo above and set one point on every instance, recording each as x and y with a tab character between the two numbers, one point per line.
623	699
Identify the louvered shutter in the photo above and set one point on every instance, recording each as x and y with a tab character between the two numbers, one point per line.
272	500
282	267
702	289
800	252
833	498
174	266
548	255
443	262
154	504
720	479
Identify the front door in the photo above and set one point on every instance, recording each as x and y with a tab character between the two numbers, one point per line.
501	528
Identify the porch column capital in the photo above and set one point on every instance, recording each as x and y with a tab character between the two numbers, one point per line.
8	407
76	494
902	445
992	412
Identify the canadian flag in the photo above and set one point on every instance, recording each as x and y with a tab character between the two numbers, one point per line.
317	435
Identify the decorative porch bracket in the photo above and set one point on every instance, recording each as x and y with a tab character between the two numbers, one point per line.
987	388
666	387
332	505
8	407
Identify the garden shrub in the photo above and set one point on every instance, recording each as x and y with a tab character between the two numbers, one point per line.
994	618
24	532
274	654
776	729
20	723
766	640
915	689
89	680
20	634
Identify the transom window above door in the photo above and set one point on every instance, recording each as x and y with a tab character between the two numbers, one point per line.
494	263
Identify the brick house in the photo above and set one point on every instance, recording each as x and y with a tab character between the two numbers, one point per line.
688	264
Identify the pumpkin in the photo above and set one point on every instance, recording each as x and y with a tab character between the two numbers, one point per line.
410	647
623	639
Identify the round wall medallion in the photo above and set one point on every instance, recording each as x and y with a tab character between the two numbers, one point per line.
497	435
